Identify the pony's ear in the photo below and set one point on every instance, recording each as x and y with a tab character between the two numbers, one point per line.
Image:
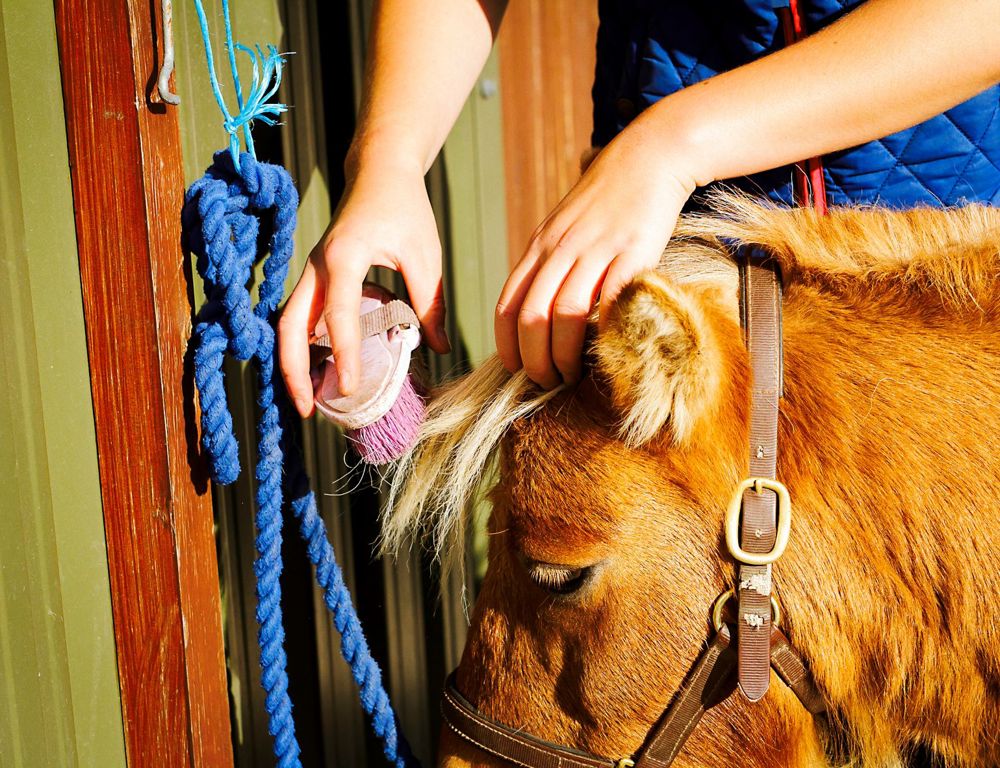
658	352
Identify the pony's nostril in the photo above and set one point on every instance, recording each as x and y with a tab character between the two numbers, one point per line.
557	579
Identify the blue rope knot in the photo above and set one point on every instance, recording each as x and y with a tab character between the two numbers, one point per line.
223	232
221	225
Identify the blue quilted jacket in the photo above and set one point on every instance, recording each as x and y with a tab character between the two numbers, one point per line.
647	49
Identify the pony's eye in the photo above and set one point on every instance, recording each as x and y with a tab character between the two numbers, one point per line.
557	579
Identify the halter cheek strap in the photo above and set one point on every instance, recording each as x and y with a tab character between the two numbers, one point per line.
759	545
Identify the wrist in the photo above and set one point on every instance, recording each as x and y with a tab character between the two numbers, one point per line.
384	152
690	144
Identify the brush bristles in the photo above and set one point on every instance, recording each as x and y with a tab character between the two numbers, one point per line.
394	434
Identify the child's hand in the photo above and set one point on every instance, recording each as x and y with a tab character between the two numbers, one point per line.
612	225
385	220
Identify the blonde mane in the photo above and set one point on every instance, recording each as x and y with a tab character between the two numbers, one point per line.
953	253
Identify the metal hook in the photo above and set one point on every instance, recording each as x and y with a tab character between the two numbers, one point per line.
163	80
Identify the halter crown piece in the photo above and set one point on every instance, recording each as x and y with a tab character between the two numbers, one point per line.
221	224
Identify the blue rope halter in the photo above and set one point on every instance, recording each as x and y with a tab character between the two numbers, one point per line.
221	224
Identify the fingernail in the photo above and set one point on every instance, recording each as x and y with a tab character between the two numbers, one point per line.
301	406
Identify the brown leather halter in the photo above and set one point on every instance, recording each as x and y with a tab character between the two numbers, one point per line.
757	524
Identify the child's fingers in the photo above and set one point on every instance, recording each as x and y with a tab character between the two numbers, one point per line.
534	339
537	315
293	341
509	307
342	315
427	294
574	302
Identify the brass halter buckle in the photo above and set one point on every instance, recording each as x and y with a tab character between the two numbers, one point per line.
735	510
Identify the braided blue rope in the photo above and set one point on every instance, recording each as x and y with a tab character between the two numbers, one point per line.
221	225
223	234
353	646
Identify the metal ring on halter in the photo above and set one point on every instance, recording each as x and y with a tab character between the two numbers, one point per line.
725	597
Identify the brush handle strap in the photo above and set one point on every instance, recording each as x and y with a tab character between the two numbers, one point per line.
379	320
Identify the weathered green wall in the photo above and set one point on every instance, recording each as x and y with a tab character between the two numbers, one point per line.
59	700
477	223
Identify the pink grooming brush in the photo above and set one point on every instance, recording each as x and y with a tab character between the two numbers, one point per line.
384	414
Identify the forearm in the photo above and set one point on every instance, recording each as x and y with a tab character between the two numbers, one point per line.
889	65
423	60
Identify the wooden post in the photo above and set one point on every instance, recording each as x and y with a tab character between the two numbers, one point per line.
547	55
127	178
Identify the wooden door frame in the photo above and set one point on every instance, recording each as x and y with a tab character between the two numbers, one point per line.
547	60
128	186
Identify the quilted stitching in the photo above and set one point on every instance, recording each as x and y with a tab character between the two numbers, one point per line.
913	133
947	160
670	44
978	142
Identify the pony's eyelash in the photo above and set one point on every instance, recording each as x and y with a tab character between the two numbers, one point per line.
552	575
559	579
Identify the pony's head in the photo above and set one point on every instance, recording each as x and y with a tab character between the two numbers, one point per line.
605	545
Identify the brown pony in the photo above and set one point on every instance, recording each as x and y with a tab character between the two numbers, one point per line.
606	543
